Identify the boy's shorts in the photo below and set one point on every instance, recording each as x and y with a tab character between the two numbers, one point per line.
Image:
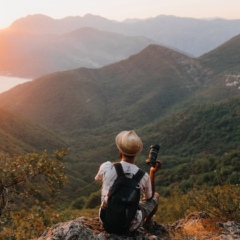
147	206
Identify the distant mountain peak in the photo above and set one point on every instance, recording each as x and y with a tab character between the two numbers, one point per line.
31	18
89	15
95	18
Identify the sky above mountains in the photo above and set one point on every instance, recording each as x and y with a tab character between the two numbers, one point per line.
119	10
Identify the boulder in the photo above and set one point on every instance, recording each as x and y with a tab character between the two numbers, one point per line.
197	225
89	229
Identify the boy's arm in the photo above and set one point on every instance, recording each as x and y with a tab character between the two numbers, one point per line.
152	172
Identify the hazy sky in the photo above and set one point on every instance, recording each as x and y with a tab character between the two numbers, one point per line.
11	10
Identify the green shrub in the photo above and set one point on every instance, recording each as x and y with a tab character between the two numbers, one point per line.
221	202
78	203
93	200
173	208
28	186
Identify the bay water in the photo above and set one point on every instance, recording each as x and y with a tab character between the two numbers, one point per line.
8	82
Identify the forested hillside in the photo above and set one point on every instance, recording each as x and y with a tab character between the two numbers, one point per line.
140	88
198	145
225	58
20	135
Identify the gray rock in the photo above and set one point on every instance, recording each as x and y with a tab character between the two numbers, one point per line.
91	229
197	225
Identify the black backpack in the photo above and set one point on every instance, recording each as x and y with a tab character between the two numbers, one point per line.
123	201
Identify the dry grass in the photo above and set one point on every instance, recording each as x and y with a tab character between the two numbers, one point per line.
197	226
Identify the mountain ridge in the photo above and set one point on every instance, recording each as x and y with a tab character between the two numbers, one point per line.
33	55
134	77
52	45
224	58
190	35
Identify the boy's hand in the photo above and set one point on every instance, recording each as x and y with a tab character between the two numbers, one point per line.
157	166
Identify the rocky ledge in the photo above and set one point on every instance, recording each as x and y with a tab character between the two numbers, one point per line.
197	226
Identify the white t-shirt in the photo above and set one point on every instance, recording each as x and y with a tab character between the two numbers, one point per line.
107	174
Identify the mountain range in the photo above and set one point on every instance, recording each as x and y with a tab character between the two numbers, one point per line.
156	77
37	45
26	54
189	105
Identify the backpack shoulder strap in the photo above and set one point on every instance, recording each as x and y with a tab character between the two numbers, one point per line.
138	176
119	169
